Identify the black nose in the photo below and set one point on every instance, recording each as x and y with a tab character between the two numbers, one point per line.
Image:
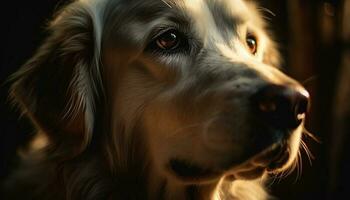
282	107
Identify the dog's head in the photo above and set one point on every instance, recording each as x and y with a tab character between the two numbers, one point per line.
197	80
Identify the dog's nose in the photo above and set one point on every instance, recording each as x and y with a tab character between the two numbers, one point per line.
282	107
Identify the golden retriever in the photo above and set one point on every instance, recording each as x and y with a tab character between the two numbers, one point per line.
156	99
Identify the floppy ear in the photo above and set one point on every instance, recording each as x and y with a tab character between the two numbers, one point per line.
57	88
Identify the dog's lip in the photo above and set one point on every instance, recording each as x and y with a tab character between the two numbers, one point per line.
269	160
249	173
277	153
273	157
191	172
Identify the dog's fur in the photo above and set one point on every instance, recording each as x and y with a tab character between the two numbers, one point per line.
115	117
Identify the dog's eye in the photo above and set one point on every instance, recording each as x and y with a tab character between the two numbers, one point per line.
252	43
168	40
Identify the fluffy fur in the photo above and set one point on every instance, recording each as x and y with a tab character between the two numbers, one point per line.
118	119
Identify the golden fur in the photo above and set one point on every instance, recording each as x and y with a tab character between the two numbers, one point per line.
118	118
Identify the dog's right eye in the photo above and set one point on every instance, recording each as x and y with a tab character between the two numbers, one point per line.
168	40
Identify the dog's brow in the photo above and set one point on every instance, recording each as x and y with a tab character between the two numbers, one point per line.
223	17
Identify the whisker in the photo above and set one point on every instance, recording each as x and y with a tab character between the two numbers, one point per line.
299	166
268	11
273	177
308	80
166	3
265	10
283	175
298	170
312	136
308	152
292	168
267	18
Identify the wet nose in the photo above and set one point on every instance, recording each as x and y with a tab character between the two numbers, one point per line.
281	107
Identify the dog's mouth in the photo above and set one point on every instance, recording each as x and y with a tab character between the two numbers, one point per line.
191	172
270	160
273	158
280	158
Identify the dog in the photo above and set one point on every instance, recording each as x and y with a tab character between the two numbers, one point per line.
156	99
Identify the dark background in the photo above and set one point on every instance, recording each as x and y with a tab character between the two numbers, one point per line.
314	38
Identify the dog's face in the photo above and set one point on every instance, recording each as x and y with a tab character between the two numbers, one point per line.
194	80
200	77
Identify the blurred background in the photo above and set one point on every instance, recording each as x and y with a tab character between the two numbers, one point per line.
314	38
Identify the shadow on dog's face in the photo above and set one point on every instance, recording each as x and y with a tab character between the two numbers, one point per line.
201	78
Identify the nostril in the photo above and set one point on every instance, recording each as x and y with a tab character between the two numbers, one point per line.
301	107
280	106
267	106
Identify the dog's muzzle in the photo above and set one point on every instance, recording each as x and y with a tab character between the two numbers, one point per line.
280	109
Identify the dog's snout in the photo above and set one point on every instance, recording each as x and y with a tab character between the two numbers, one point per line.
282	107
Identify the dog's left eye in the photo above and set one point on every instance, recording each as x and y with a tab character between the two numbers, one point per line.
252	43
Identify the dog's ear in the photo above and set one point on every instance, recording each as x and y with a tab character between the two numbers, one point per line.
58	87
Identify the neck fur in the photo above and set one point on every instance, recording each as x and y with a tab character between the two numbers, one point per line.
137	176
